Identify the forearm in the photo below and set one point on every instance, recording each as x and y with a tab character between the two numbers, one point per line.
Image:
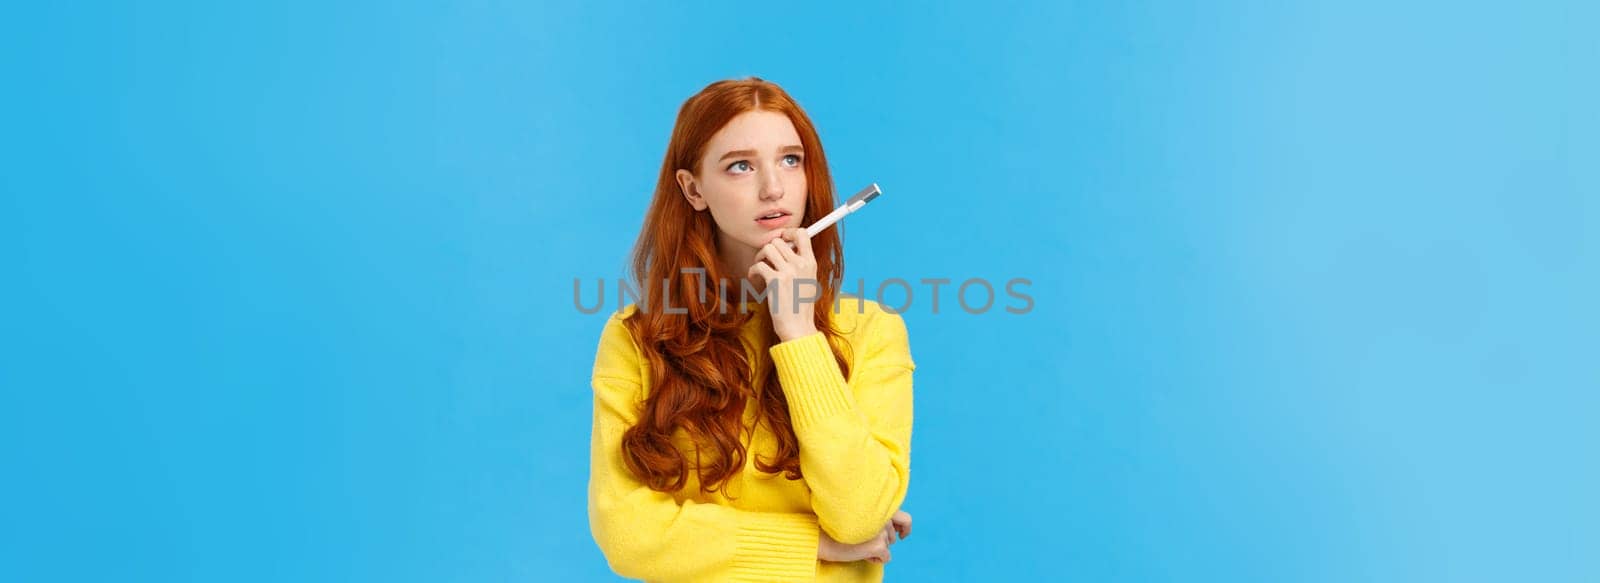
646	536
854	444
857	477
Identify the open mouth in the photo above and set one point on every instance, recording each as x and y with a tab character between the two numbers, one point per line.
774	218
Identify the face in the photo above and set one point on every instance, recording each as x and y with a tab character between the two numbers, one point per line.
752	169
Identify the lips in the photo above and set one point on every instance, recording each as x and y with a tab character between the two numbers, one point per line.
773	218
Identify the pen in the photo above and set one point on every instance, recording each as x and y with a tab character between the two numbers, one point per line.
854	204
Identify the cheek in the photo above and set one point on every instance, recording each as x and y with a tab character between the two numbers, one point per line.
720	201
796	186
726	203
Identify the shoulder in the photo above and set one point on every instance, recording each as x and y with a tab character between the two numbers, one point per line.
617	323
618	354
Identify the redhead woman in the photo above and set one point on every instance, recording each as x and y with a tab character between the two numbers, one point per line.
750	423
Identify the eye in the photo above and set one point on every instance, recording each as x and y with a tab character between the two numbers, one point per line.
792	159
740	167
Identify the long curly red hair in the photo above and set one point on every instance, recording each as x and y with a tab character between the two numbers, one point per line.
700	368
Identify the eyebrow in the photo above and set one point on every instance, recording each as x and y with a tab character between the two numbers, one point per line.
752	153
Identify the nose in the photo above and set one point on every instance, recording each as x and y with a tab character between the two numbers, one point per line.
771	186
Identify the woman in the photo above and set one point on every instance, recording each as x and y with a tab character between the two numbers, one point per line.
732	441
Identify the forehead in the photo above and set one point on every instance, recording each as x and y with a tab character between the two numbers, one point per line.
762	131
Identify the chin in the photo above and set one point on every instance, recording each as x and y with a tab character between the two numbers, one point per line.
754	238
757	240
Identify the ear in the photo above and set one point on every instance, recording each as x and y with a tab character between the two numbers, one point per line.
690	193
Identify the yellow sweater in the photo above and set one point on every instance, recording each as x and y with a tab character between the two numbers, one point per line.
855	454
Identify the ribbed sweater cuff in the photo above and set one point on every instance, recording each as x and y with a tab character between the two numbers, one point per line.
811	379
776	547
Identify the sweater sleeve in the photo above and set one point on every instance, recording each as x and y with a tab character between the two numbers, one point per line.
646	534
855	435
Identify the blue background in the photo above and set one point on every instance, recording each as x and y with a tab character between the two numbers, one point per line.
288	288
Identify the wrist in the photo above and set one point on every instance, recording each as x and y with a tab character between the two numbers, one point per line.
788	333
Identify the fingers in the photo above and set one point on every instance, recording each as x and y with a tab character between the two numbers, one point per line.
801	240
763	270
776	253
899	524
779	253
902	523
782	249
879	552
